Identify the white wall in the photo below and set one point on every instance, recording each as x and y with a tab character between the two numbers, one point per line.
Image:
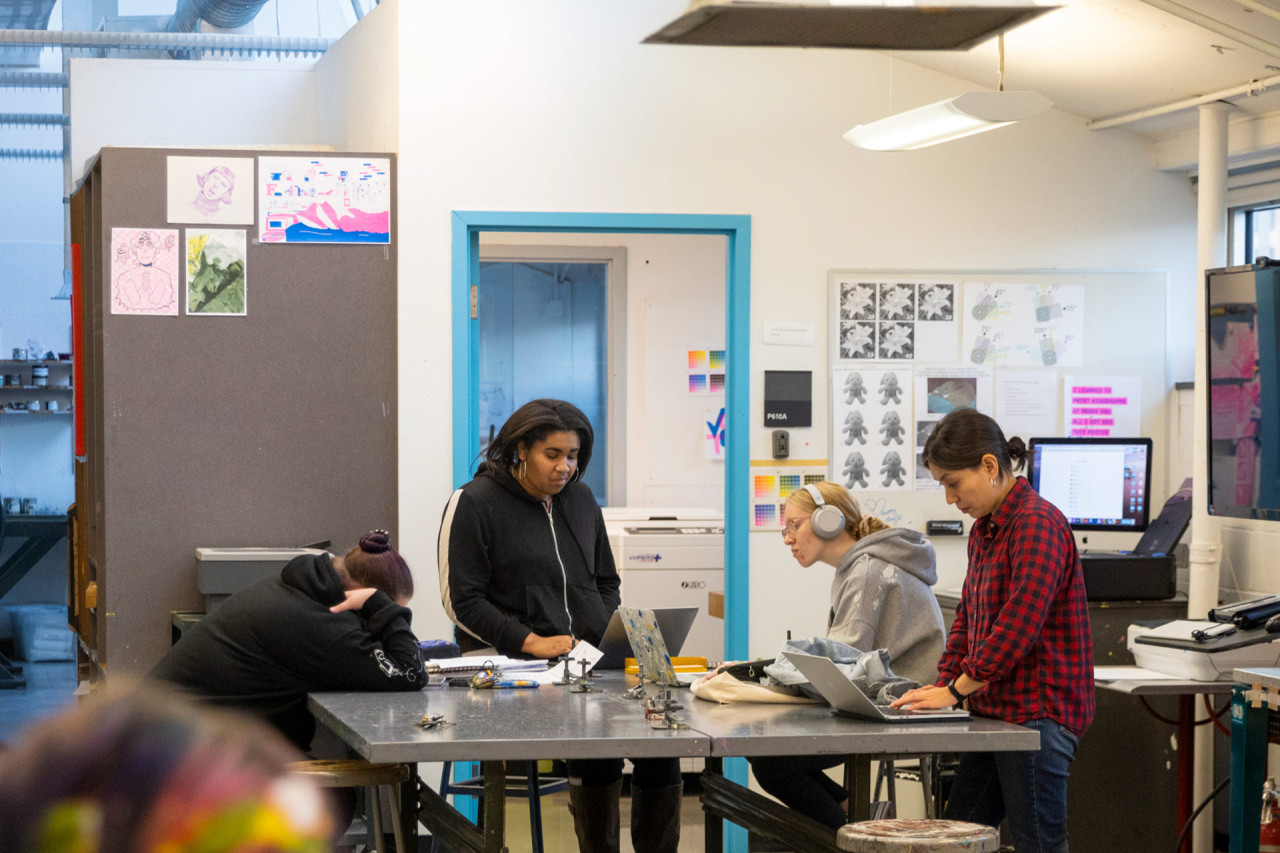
166	103
559	107
357	87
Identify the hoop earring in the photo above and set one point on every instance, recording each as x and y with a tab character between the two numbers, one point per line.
524	470
993	482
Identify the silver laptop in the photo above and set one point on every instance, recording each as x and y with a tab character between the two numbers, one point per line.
848	701
673	622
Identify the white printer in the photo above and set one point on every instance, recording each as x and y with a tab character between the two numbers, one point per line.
1173	649
672	557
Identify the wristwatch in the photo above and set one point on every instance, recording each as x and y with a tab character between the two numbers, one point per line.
951	685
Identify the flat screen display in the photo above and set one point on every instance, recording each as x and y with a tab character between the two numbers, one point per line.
1243	362
1098	483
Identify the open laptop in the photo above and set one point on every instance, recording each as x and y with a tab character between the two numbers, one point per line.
848	701
646	639
673	622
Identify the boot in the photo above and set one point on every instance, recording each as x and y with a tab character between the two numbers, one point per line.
595	816
655	818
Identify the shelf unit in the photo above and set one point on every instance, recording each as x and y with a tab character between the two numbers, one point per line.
59	387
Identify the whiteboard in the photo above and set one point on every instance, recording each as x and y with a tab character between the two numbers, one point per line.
1120	334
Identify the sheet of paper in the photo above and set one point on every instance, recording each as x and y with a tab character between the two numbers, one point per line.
584	651
1130	673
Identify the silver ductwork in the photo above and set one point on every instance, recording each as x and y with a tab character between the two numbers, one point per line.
212	42
223	14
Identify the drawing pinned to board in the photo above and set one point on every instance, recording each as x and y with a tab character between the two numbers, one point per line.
210	190
144	271
939	389
217	272
324	200
894	320
871	417
1024	325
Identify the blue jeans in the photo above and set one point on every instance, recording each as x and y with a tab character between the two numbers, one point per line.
1030	788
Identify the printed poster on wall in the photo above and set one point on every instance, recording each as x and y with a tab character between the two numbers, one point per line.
871	441
713	431
706	371
324	200
145	271
1023	325
1102	406
939	389
772	483
882	319
210	190
217	263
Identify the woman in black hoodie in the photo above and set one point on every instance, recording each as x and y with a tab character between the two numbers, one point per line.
526	570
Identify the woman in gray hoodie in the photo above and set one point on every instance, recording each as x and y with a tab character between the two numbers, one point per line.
880	599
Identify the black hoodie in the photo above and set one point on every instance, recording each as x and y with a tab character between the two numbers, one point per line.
264	648
510	567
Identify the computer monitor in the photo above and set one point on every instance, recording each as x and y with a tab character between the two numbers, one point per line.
1098	483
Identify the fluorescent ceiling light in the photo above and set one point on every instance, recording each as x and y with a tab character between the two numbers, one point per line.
868	25
972	112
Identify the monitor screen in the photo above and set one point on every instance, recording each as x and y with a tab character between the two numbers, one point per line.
1243	362
1098	483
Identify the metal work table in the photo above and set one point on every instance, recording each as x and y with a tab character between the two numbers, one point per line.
752	730
1254	695
492	726
1186	690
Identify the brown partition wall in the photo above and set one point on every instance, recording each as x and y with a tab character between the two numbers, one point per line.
275	429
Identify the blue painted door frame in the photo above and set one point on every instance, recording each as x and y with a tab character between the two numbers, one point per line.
467	226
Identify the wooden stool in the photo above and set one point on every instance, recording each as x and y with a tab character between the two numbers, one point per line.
358	773
917	836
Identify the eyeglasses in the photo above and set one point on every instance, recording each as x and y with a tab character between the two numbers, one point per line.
792	528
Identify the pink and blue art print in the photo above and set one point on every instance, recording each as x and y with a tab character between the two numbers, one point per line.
324	200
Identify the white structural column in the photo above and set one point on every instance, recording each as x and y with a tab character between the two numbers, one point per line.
1206	538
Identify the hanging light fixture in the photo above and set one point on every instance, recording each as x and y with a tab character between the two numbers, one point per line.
972	112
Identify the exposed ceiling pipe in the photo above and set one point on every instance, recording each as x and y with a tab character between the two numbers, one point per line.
1260	7
224	42
1253	87
34	120
223	14
30	154
33	80
1213	25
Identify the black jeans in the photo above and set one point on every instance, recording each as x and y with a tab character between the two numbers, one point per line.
648	772
800	783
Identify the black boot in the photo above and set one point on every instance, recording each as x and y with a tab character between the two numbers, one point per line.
655	818
595	816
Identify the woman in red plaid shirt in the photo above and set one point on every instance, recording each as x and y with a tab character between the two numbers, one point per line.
1019	649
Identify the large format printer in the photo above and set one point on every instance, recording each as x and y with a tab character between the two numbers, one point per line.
672	557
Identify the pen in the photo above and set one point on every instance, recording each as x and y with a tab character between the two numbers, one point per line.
516	683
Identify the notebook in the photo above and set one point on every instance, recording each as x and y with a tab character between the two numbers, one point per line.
848	701
673	622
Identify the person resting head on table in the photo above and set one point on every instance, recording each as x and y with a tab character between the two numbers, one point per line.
526	569
143	770
1019	649
880	599
323	623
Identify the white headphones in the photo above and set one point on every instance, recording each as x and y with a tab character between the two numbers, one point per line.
826	521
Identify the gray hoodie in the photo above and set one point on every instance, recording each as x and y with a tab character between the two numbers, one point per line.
880	599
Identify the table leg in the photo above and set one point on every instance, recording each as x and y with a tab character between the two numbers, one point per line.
407	792
713	825
495	806
857	781
1186	764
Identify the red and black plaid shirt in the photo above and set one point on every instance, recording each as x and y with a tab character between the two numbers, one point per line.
1022	624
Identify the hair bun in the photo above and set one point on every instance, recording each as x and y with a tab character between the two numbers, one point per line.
375	542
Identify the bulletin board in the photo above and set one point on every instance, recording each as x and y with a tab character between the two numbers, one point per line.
1045	352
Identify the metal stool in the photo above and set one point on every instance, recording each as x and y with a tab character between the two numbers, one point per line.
917	836
926	772
358	773
531	785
